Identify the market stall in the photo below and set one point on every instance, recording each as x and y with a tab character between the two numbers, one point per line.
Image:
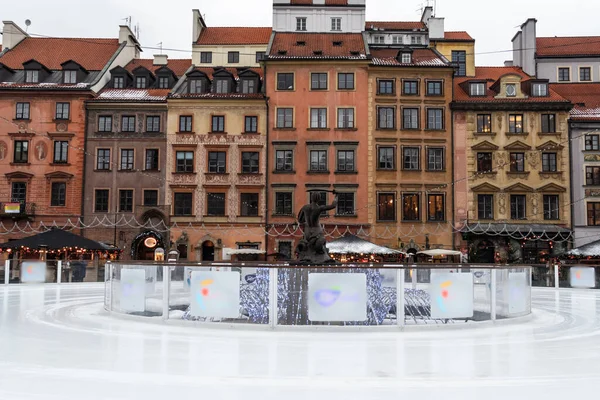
351	248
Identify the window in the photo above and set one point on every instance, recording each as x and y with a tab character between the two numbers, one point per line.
61	152
549	162
346	81
477	89
32	76
517	162
385	86
511	90
250	162
593	213
283	203
318	160
22	111
127	124
336	24
163	82
345	204
127	159
153	124
284	160
233	57
206	57
548	123
435	118
125	200
346	118
485	206
345	161
397	39
249	204
151	160
58	194
301	24
592	142
515	123
140	82
183	204
215	204
21	151
406	58
386	207
62	110
517	206
217	162
69	76
484	162
551	207
564	74
592	176
435	159
435	207
379	39
318	81
434	88
103	159
222	85
410	118
285	117
185	123
151	198
218	123
585	74
386	118
196	86
459	57
260	55
101	201
318	118
385	155
105	124
540	90
410	158
285	248
19	192
185	161
415	40
250	124
119	82
248	86
484	123
410	88
285	81
410	207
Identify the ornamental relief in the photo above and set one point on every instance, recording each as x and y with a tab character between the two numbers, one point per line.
502	203
251	180
217	179
592	193
534	159
183	179
550	175
500	119
232	205
532	120
501	159
535	199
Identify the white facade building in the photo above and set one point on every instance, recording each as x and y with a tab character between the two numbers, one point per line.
319	17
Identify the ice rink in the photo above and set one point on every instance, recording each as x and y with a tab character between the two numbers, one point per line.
58	343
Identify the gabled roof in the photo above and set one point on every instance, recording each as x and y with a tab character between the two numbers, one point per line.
234	35
318	46
394	25
584	96
455	36
178	66
568	46
420	58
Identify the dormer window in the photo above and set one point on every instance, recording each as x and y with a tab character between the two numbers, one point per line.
222	86
119	82
248	86
379	39
301	43
511	90
140	82
163	82
301	24
70	76
477	89
415	40
406	58
337	44
540	89
336	24
197	86
32	76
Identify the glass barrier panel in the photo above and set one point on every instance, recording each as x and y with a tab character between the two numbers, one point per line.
136	290
513	292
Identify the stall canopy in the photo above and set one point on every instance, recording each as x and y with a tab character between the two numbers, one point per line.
587	250
351	244
440	252
56	239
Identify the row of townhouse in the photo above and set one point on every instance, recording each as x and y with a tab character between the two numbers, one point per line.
216	154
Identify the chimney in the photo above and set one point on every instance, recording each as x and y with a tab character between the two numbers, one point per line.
528	46
508	63
12	35
198	25
161	59
427	14
319	2
436	28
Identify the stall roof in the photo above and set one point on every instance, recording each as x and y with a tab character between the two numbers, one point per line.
440	252
351	244
56	239
587	250
246	251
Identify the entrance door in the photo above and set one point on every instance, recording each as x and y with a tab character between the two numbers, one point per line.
208	251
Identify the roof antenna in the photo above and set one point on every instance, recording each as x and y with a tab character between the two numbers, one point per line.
27	24
127	21
160	46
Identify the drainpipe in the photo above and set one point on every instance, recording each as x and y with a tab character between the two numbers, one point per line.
268	156
85	156
571	160
453	188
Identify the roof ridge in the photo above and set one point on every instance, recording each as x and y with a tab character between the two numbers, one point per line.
569	37
243	27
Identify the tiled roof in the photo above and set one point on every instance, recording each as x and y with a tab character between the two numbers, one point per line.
395	25
568	46
91	54
234	35
420	58
459	36
327	2
151	95
318	46
583	95
585	114
178	66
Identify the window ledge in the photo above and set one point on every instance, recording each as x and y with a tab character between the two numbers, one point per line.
411	170
216	173
128	170
250	174
22	120
251	133
104	133
346	129
217	133
346	172
249	216
58	120
386	129
524	134
550	172
318	129
435	130
185	133
386	170
284	172
284	129
102	170
386	221
436	170
492	134
487	172
386	94
549	133
20	164
183	173
282	215
215	216
431	221
152	170
318	172
517	173
345	216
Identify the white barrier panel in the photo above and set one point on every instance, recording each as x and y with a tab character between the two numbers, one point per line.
187	276
133	290
215	294
33	272
451	295
337	297
389	277
582	277
517	290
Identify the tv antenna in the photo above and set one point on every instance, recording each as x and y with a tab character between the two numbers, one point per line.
127	21
27	24
160	45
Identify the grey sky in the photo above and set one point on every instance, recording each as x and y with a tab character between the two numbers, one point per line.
491	23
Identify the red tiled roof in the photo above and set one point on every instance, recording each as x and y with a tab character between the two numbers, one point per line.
458	36
234	35
178	66
568	46
585	114
304	45
91	54
582	95
395	25
420	57
327	2
133	95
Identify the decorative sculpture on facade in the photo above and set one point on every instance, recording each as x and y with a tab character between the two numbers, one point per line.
312	249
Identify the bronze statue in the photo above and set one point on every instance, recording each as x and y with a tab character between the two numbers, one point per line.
311	249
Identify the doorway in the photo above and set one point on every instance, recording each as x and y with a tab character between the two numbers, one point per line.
208	251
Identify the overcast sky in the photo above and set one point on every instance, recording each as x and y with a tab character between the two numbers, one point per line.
491	22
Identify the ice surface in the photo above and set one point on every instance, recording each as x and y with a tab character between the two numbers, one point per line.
56	342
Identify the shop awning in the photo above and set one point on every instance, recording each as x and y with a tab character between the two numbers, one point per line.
56	239
440	252
587	250
351	244
245	251
519	231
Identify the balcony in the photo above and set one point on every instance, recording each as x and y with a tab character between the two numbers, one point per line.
16	210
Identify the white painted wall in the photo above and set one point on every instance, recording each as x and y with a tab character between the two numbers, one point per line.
404	37
12	34
219	57
319	19
128	53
